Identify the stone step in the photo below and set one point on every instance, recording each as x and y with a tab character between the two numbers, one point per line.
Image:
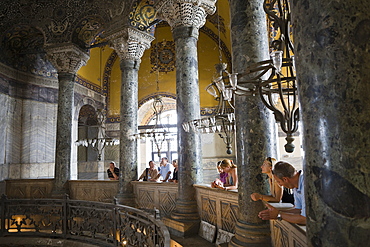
192	241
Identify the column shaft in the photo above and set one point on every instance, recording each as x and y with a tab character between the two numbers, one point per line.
64	132
255	124
188	108
333	67
128	127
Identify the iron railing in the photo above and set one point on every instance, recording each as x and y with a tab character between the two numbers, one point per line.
102	224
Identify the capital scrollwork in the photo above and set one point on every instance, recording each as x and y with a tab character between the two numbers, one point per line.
66	58
130	43
188	13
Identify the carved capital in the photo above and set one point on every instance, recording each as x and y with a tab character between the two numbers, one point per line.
66	58
130	43
188	13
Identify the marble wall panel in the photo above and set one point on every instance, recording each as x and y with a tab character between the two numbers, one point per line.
14	171
38	132
92	170
30	171
13	131
25	170
28	129
3	125
50	121
4	171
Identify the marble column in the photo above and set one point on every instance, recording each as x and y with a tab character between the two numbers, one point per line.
130	45
255	124
67	59
185	19
333	71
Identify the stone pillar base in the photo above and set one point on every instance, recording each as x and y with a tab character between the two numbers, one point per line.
182	228
59	193
257	235
126	199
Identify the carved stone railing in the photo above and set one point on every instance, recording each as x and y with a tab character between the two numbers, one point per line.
285	234
101	224
89	190
218	210
152	195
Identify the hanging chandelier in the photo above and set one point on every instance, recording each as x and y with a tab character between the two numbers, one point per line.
159	132
274	80
222	121
101	140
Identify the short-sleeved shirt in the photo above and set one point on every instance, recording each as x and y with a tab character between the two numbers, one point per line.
165	169
148	173
299	201
116	171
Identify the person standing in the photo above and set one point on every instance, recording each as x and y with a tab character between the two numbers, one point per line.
113	171
165	171
151	173
175	177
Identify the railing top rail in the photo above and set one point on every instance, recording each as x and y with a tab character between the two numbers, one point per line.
96	222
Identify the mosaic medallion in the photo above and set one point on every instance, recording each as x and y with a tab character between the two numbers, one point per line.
162	56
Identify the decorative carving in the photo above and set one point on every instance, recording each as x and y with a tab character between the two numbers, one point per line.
86	31
167	202
229	216
101	224
143	14
209	213
163	57
189	13
130	43
67	57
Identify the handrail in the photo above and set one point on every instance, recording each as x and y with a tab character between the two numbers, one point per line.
102	224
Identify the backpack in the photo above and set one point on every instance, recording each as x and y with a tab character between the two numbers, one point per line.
288	196
146	175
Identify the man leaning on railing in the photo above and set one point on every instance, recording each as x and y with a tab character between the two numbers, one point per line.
286	175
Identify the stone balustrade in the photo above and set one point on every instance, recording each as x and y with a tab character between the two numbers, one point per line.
155	195
218	209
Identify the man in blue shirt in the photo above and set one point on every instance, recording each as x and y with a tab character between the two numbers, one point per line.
286	175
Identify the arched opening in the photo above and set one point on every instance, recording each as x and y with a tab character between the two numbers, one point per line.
87	164
150	148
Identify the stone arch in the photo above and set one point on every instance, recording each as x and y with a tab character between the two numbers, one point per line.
86	101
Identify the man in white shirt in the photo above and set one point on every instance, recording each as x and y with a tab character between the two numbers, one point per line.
166	170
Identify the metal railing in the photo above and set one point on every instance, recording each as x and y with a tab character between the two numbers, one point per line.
101	224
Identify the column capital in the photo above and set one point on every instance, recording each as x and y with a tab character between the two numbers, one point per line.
67	57
130	43
188	13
